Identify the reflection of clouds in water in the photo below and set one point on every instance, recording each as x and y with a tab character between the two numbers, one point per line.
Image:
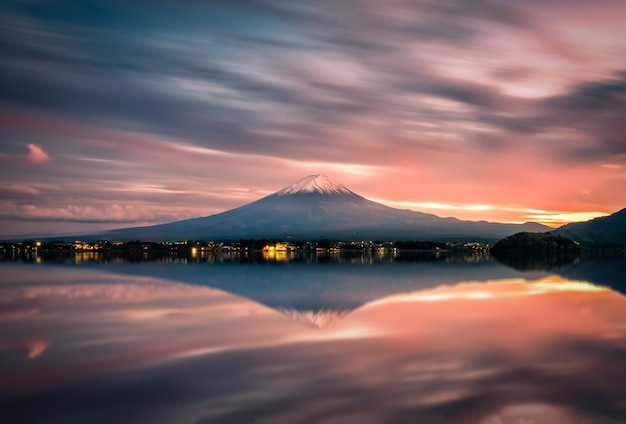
306	383
481	290
117	354
509	391
535	413
37	347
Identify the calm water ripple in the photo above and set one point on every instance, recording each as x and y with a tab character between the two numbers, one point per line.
343	341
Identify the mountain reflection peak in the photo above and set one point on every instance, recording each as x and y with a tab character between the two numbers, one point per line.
317	319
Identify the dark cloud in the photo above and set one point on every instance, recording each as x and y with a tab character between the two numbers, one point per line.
98	75
127	77
464	92
592	111
596	111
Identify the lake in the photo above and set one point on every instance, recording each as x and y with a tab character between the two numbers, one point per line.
361	339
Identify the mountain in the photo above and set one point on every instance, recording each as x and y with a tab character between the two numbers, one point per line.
317	207
606	230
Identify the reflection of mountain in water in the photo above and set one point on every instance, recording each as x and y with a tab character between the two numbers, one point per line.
601	271
538	262
315	319
317	294
607	272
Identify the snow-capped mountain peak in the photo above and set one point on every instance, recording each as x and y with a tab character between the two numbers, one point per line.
314	184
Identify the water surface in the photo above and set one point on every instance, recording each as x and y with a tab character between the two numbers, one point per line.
460	340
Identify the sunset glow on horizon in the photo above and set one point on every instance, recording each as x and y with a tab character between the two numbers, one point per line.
119	115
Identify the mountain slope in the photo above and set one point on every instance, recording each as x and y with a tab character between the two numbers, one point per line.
606	230
317	207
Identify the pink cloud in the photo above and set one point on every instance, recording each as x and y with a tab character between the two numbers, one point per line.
36	155
91	213
20	190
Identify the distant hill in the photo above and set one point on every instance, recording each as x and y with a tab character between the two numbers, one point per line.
534	243
317	207
600	231
535	251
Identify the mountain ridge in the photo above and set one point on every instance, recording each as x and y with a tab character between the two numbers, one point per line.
609	229
317	207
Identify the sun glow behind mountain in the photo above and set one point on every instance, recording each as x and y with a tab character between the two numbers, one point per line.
319	183
498	213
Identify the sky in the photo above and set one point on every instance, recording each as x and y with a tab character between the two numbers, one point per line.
117	114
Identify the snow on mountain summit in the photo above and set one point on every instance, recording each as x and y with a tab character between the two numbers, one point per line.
314	184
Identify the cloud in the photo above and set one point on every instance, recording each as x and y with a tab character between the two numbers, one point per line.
298	88
18	191
36	155
595	109
317	82
113	213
